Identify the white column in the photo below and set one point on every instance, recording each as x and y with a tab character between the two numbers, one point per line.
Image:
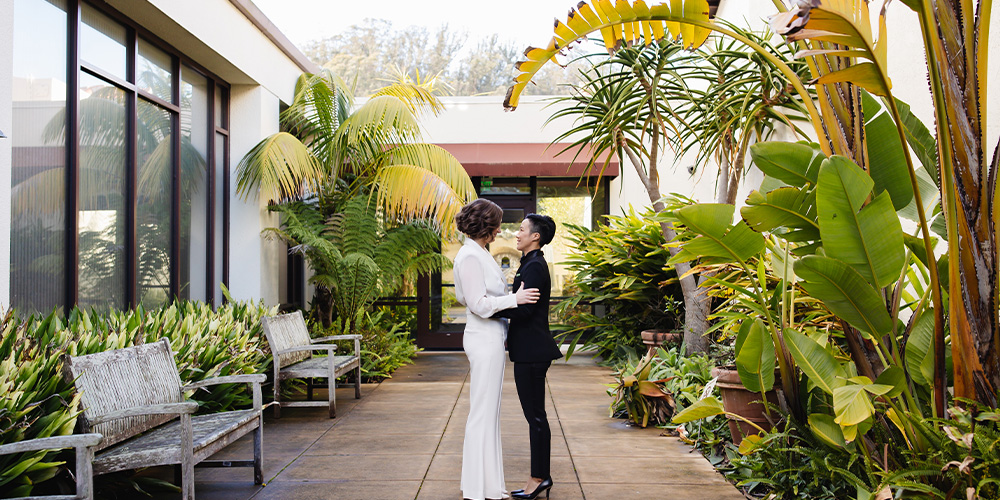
6	160
256	266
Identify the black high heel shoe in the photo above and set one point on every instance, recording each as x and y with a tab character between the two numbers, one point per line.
545	486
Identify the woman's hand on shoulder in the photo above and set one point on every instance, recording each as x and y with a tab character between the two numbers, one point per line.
526	295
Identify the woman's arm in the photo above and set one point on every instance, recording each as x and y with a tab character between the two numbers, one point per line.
470	273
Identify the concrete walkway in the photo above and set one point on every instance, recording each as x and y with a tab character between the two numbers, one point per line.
403	440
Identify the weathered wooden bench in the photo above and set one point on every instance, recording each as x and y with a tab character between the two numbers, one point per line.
292	350
84	445
133	396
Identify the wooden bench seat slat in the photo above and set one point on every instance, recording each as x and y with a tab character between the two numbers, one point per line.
319	367
162	445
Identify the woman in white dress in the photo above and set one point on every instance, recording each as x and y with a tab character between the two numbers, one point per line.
480	286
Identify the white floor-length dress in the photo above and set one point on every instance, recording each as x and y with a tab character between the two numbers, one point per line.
480	286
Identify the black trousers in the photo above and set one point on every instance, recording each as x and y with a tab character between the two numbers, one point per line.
530	381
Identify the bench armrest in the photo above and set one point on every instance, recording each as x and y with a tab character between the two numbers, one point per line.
51	443
310	347
337	337
252	378
136	411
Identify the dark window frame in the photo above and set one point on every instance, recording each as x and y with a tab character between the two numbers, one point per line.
179	62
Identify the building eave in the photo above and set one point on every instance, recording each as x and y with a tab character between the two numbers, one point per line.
257	17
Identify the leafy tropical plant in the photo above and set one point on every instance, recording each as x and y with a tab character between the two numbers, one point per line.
619	266
837	205
652	95
36	400
355	257
327	136
639	392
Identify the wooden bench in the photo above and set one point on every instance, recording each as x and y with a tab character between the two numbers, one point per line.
133	396
84	445
292	350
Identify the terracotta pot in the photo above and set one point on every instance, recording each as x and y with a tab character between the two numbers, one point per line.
737	399
656	338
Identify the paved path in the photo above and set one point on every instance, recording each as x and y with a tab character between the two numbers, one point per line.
403	440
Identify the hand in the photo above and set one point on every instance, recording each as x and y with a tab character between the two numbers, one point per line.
526	295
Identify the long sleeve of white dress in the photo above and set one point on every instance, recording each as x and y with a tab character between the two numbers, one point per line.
471	290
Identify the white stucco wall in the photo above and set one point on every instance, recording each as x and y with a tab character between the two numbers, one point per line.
6	160
256	265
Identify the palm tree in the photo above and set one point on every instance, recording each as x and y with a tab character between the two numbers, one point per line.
329	144
646	97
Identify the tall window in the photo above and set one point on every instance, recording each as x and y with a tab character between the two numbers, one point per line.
119	178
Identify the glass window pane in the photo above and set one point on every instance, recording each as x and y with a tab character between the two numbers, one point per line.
38	207
102	218
221	189
153	203
194	184
565	203
504	185
102	42
154	73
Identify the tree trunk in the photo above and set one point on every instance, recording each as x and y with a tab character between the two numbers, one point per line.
696	303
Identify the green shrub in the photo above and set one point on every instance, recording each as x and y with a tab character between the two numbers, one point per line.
35	400
621	266
386	343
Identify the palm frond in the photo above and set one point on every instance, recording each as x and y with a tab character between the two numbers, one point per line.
280	166
380	122
321	102
436	159
417	95
408	192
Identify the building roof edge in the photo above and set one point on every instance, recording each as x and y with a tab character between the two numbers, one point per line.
257	17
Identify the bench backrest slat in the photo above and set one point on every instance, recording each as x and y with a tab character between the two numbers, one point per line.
284	331
125	378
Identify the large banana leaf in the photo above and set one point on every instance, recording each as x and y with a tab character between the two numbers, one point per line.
886	159
791	208
845	292
794	164
755	359
869	238
814	360
720	241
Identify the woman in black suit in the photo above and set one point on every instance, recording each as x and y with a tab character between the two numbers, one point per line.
531	347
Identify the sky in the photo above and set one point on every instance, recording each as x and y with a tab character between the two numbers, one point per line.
527	22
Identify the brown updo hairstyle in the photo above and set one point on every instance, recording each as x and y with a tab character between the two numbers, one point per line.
479	219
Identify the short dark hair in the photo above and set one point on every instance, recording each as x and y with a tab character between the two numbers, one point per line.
479	218
544	226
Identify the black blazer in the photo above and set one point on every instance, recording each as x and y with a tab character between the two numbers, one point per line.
528	338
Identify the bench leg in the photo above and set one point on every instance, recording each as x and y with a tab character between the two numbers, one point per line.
277	395
187	459
357	382
258	452
333	397
84	473
309	389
